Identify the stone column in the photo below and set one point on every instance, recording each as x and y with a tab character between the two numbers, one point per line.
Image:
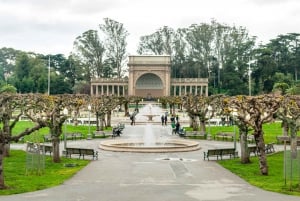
179	90
97	90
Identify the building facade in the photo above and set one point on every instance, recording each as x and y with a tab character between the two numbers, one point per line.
149	76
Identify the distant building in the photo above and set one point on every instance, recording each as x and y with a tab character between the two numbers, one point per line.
149	76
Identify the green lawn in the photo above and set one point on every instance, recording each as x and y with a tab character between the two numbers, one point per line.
38	135
273	182
271	130
19	180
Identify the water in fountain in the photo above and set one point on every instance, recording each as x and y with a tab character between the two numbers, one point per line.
149	137
149	110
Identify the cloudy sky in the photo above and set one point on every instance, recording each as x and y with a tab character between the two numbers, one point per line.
51	26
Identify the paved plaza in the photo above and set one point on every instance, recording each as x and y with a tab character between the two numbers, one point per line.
121	176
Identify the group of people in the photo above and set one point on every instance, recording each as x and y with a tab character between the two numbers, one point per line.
175	125
164	119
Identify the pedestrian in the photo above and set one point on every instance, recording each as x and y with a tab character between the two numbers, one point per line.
131	119
177	127
172	119
177	118
162	120
173	127
166	119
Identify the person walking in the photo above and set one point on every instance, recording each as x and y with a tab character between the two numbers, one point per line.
166	119
162	120
177	127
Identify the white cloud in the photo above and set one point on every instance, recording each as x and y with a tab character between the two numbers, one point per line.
51	26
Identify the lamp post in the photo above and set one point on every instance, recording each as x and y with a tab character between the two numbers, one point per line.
249	73
89	136
65	112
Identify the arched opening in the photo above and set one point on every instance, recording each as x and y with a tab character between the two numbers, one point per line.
149	85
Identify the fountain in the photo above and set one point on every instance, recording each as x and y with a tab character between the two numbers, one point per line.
150	115
149	138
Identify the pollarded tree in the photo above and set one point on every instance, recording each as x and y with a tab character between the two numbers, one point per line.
97	107
289	113
254	112
18	104
110	103
49	110
201	107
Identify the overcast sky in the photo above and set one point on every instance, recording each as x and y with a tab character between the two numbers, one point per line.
51	26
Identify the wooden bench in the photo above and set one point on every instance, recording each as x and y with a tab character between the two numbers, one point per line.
220	152
195	134
72	136
269	148
252	149
250	138
48	138
82	152
99	134
287	139
225	136
46	148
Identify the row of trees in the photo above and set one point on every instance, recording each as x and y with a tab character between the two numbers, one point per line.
227	55
249	112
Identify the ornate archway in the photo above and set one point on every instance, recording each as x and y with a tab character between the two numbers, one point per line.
149	85
149	76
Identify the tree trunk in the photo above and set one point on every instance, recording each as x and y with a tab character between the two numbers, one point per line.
202	127
262	153
126	110
102	122
245	156
293	131
285	128
6	152
75	120
97	122
109	118
2	185
55	145
194	124
6	129
55	133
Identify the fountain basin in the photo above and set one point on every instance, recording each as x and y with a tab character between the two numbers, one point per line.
128	145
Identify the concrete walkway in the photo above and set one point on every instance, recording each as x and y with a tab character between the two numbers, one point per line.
124	176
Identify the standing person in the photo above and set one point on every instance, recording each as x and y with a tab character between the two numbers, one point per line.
177	127
166	119
131	118
173	127
177	118
172	119
162	120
